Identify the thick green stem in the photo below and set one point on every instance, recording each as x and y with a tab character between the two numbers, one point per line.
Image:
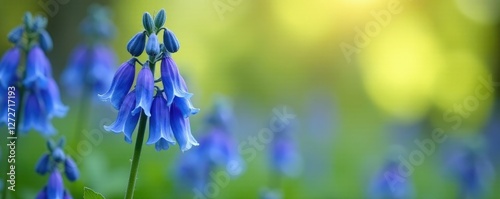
137	155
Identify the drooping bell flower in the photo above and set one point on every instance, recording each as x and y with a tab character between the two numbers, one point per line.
52	101
144	91
179	120
284	156
37	68
35	116
55	186
126	121
160	132
172	80
121	84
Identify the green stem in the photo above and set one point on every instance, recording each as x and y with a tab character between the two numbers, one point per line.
82	117
137	155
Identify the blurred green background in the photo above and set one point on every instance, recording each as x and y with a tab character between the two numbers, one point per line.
265	54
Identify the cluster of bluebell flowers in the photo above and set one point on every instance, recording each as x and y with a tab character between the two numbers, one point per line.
165	101
90	68
51	163
36	90
218	149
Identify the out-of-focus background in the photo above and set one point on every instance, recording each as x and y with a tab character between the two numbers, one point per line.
368	80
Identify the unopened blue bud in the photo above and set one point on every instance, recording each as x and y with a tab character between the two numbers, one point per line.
28	22
58	155
39	23
45	40
147	22
170	40
160	19
16	34
153	47
136	45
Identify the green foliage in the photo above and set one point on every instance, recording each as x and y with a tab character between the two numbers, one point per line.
88	193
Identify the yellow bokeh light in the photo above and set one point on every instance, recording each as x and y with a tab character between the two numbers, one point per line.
400	67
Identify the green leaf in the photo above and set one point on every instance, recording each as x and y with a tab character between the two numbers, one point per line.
88	193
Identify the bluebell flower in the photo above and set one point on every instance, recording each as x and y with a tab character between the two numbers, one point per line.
192	171
72	77
8	66
284	156
55	186
159	124
173	83
52	100
16	34
136	45
181	127
101	69
37	68
144	89
35	116
70	169
170	41
121	84
43	165
389	184
126	121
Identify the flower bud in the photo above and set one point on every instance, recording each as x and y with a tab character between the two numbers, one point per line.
170	41
153	47
58	155
147	22
16	34
160	19
136	45
45	40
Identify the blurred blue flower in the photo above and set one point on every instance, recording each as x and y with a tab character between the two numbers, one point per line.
270	194
55	186
91	64
35	116
40	93
470	167
8	66
90	67
50	163
37	68
284	156
389	184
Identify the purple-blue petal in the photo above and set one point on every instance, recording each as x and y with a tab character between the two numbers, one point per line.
181	129
8	66
121	84
67	195
35	116
158	111
55	187
185	106
172	80
144	91
123	114
52	100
